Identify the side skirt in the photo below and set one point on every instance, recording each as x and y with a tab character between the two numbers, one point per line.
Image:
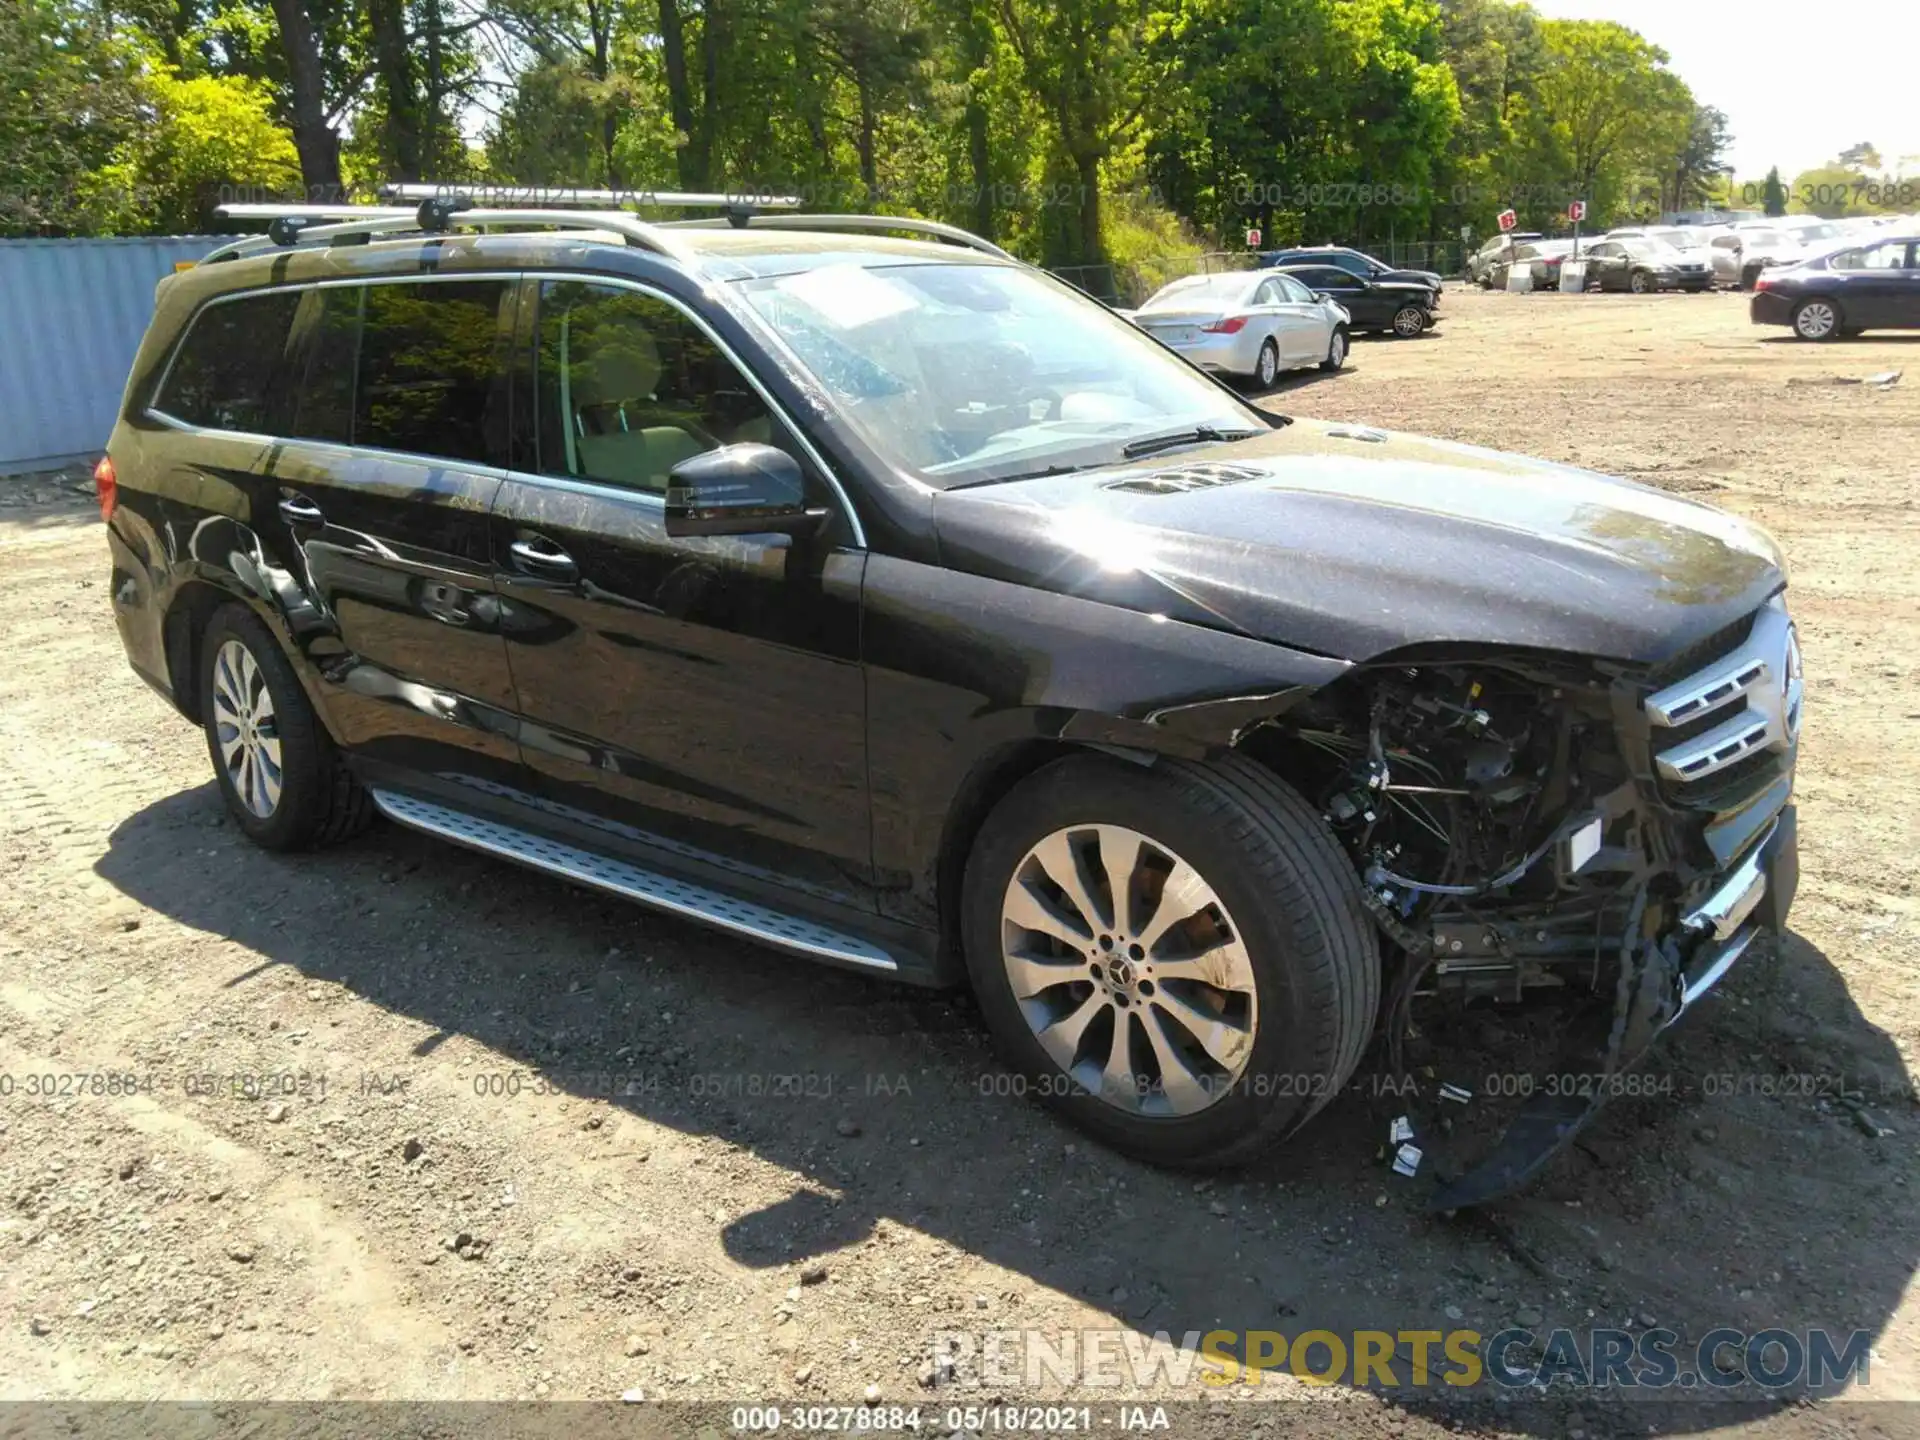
796	934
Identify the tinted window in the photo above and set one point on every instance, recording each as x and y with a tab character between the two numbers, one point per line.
1354	264
231	371
430	369
330	327
629	387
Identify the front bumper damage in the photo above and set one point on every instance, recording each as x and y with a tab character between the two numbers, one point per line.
1657	982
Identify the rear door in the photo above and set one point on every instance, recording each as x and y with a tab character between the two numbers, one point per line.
702	696
1283	321
366	488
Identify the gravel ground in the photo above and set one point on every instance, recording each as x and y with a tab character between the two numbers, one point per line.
397	1121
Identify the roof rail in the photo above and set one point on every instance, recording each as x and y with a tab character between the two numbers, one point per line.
882	223
298	224
547	197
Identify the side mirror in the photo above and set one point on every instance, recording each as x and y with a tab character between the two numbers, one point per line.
740	490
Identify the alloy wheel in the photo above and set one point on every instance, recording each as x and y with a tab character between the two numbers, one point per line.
1268	365
246	729
1337	352
1816	320
1128	970
1408	323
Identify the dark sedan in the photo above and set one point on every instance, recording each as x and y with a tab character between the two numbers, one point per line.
1875	286
1355	262
1403	307
1643	266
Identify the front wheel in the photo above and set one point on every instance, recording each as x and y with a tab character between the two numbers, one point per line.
1178	959
1817	319
1409	321
1640	282
283	781
1336	350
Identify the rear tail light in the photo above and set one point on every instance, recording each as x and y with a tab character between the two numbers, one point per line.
1763	283
107	486
1232	325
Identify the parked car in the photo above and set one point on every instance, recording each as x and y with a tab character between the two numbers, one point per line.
893	604
1542	259
1686	243
1246	323
1397	307
1643	266
1778	243
1481	262
1356	262
1870	286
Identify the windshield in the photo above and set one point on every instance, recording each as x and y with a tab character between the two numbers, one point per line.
965	373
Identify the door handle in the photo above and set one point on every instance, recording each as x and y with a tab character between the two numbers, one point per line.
543	557
298	510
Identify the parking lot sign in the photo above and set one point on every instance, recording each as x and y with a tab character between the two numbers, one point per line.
1508	219
1577	211
1253	239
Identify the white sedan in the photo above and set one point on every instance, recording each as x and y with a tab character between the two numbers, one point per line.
1248	323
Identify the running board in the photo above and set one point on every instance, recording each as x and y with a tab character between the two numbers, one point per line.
662	892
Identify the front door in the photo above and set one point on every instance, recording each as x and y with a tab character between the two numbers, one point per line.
702	696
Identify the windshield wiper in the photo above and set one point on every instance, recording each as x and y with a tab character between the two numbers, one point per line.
1040	474
1134	449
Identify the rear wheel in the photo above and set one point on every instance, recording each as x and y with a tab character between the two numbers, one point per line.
1266	369
1178	958
1336	349
1817	319
283	781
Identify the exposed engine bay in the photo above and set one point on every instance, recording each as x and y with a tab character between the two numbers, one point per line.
1513	842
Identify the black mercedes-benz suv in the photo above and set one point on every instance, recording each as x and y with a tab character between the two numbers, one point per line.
888	602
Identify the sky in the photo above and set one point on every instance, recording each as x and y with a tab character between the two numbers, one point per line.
1799	83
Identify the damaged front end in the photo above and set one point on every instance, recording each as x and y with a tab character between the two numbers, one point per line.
1528	824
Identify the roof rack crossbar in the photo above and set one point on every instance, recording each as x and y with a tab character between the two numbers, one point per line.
882	223
392	220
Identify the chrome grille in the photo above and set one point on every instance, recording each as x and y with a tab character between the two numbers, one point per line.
1744	703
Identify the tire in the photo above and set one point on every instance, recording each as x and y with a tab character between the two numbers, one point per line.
1818	318
315	800
1266	369
1409	322
1337	346
1298	993
1640	282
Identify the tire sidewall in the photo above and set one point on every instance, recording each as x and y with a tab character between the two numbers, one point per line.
292	821
1292	1024
1266	369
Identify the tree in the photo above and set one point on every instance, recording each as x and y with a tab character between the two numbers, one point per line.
68	97
208	136
1773	194
1691	174
1859	157
1092	66
314	136
1606	108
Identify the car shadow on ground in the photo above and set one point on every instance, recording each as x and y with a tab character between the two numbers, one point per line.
1736	1196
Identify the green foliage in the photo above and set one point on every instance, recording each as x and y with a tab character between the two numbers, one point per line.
1075	132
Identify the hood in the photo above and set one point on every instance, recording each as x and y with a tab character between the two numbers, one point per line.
1353	542
1425	278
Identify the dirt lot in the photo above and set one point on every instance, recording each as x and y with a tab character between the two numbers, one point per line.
495	1138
